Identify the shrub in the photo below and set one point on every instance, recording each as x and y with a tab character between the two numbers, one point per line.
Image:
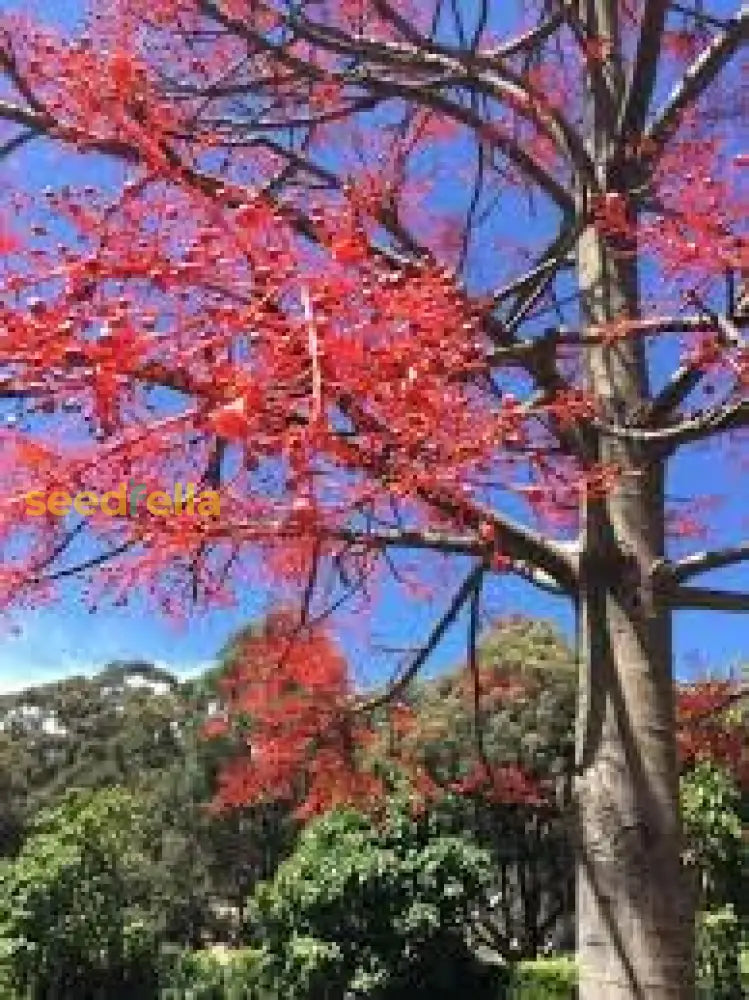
544	979
206	975
372	910
718	951
717	853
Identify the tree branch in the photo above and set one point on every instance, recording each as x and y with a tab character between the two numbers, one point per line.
684	380
705	598
398	686
718	420
696	80
702	562
642	81
513	539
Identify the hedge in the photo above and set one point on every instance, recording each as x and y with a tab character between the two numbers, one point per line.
234	976
544	979
722	971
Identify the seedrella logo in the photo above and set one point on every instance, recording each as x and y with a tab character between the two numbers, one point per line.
125	501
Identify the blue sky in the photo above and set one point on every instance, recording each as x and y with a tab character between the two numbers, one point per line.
63	638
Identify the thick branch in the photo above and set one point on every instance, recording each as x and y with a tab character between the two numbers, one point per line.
511	538
720	420
716	420
682	382
446	543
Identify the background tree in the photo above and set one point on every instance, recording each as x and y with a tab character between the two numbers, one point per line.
716	819
713	721
124	726
364	358
77	916
138	728
524	730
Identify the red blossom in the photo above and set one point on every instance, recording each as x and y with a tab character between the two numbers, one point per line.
712	725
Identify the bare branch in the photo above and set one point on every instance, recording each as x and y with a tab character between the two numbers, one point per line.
705	598
563	336
32	120
401	23
528	41
536	577
696	80
398	686
684	380
16	143
412	538
717	420
702	562
82	567
642	81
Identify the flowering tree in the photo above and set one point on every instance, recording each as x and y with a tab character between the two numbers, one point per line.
712	726
393	277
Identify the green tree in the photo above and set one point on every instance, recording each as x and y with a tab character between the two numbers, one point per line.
523	726
121	727
77	916
134	725
715	817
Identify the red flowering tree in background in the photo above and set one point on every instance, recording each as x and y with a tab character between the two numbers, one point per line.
310	273
712	726
289	697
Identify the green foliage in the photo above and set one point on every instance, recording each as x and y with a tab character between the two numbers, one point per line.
718	950
368	910
528	679
544	979
120	727
207	975
76	918
528	682
135	726
714	815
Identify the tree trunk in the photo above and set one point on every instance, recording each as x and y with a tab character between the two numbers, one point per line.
634	921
